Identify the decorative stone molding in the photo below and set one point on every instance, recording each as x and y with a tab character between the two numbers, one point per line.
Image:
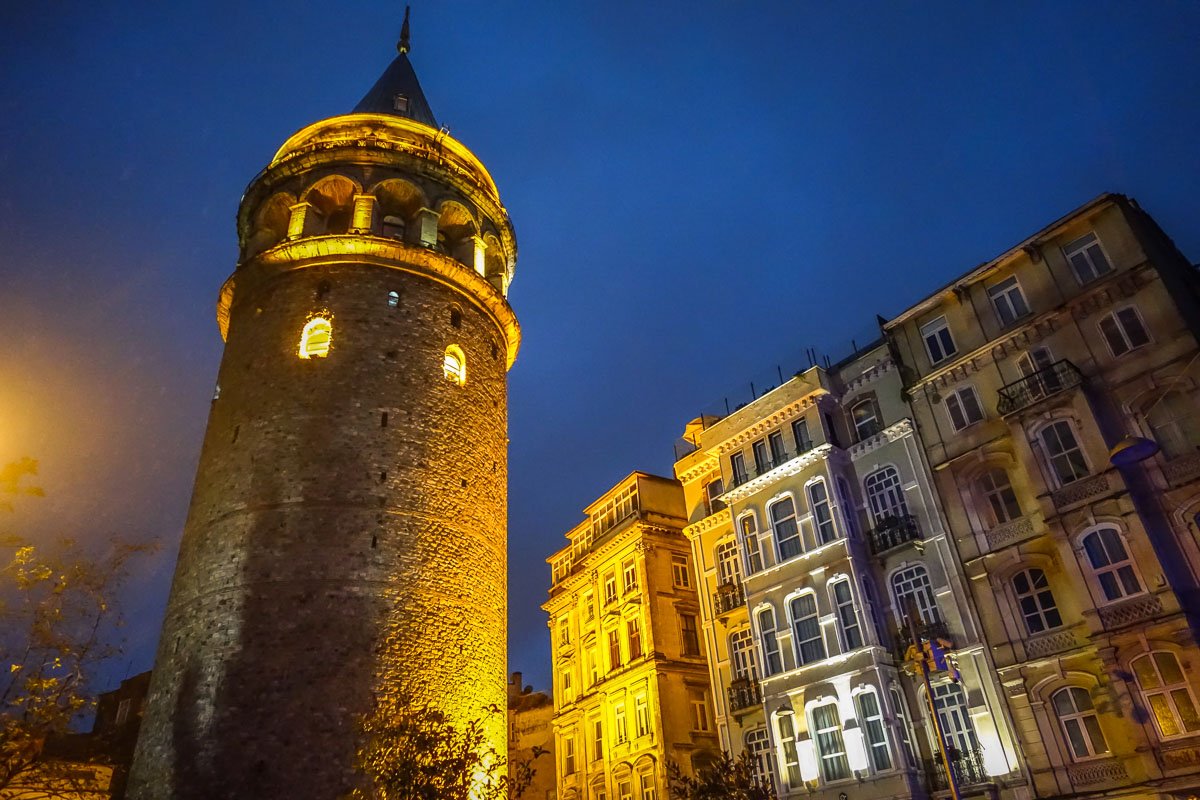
1048	643
1182	757
1183	468
1009	532
786	469
714	520
886	436
869	376
1079	491
1097	772
771	421
701	468
1135	610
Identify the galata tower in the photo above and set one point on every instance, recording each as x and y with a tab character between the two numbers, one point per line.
346	537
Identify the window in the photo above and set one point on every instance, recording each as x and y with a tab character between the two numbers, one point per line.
400	102
393	299
870	718
564	631
885	495
622	730
831	430
778	453
1002	502
699	705
567	693
758	742
1167	693
1008	301
912	587
787	532
1036	365
614	649
963	407
456	316
849	513
569	754
597	739
1066	459
712	492
750	541
454	365
1110	564
634	630
629	576
610	589
1081	725
843	601
649	792
315	338
593	667
737	466
1036	601
866	424
830	747
951	705
1123	331
741	654
762	460
641	715
729	566
1086	258
901	707
938	342
687	631
589	607
818	499
1175	424
680	572
624	789
800	435
787	743
773	661
810	646
123	711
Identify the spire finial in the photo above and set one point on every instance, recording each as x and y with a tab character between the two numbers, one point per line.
403	45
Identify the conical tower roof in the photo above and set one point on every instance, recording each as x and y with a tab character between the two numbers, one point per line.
398	92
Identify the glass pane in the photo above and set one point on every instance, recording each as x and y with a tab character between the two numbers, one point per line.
1129	580
1021	583
971	405
1091	724
1053	618
1134	329
1163	714
1112	335
1186	709
1081	699
1147	678
1095	551
1099	262
1082	268
1063	705
1168	667
1113	544
1108	584
1075	737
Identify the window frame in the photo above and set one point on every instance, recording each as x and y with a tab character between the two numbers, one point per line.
1037	595
1167	691
929	612
681	574
821	525
831	735
999	291
1079	716
1050	459
772	661
884	490
959	397
801	435
754	561
840	607
932	330
689	635
729	563
1074	247
866	721
780	540
1115	317
817	650
454	365
743	655
993	496
871	421
1096	572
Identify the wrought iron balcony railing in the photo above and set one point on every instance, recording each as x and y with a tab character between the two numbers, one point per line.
967	766
744	693
728	597
893	532
1058	377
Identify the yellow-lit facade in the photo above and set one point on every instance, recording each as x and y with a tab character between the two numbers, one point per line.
631	684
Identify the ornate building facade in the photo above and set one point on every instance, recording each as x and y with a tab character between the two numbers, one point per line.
1025	374
631	693
346	540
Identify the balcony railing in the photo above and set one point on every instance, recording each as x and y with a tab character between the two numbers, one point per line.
744	693
1058	377
893	532
728	597
967	766
758	470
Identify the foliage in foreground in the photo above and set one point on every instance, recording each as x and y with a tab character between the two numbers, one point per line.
723	779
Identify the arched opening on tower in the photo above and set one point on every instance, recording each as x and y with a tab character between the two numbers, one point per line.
454	365
316	338
270	223
456	232
398	201
332	197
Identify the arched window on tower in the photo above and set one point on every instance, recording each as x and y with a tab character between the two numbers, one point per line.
315	338
455	365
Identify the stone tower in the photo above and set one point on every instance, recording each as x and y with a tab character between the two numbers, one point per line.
347	530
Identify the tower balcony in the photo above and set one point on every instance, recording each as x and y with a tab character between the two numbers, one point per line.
892	532
1046	382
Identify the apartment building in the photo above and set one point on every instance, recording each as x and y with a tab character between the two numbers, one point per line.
632	692
815	527
1027	376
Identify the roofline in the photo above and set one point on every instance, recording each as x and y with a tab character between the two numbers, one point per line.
931	298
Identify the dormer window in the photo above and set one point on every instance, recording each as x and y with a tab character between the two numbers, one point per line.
400	102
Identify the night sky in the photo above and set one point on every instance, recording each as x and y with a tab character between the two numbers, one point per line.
700	192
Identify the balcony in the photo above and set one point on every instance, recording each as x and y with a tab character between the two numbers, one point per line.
1046	382
729	596
937	629
744	694
892	532
966	764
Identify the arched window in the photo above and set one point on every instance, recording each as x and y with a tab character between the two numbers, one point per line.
1063	453
456	316
1175	424
787	533
951	705
849	513
1110	564
315	338
1080	724
831	748
866	424
786	728
1036	601
729	566
750	541
870	719
393	299
843	601
806	622
455	365
1167	694
885	496
997	492
818	500
758	742
741	654
772	661
911	586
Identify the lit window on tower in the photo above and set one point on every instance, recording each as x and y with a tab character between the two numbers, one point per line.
455	365
314	339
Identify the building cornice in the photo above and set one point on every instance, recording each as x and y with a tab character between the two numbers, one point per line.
888	435
707	464
788	468
714	520
869	376
765	423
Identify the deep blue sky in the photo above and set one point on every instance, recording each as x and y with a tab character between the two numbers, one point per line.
700	191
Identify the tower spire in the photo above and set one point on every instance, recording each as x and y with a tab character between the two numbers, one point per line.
403	45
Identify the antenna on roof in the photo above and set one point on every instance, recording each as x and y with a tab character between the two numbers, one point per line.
403	45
